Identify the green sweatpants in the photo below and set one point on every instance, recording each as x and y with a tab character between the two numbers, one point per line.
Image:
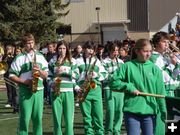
63	105
31	107
92	111
114	114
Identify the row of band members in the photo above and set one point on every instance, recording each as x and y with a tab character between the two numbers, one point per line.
10	52
131	78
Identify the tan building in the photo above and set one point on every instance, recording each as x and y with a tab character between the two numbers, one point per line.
97	20
103	20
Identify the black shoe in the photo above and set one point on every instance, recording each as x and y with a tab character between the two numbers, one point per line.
15	111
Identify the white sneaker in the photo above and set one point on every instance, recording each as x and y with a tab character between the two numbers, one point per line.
8	105
77	104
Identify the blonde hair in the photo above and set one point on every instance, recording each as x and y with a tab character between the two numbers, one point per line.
141	43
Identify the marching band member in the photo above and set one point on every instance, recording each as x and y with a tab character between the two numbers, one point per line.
63	72
77	51
91	73
113	100
167	64
11	90
28	70
136	76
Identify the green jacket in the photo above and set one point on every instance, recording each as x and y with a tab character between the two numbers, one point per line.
145	77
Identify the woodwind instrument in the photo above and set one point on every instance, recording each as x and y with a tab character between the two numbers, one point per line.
57	80
88	84
35	74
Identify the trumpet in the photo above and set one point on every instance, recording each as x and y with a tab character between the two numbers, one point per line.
174	48
171	50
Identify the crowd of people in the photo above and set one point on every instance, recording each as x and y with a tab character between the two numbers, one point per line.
118	71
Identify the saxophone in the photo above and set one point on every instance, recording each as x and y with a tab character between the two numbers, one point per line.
35	74
87	85
57	82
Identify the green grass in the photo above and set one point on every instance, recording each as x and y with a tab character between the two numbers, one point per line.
9	121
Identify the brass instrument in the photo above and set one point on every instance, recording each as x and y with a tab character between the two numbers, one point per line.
35	74
87	85
57	81
174	48
170	51
3	67
3	70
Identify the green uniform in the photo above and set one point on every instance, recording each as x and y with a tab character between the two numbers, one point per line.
170	77
114	100
63	104
168	71
92	107
31	104
145	77
176	75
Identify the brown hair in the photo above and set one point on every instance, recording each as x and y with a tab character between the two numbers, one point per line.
68	54
124	48
17	48
159	36
28	37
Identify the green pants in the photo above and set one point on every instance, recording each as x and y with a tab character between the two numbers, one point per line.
114	115
92	111
31	107
63	105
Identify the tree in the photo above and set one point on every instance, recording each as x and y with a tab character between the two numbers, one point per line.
38	17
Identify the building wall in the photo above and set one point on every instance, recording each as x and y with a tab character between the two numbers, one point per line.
161	12
138	35
83	15
137	11
84	19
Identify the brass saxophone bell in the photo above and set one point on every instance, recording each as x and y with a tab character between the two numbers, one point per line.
93	84
36	74
57	81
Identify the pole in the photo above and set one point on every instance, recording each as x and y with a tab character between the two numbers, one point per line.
98	9
145	94
151	95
